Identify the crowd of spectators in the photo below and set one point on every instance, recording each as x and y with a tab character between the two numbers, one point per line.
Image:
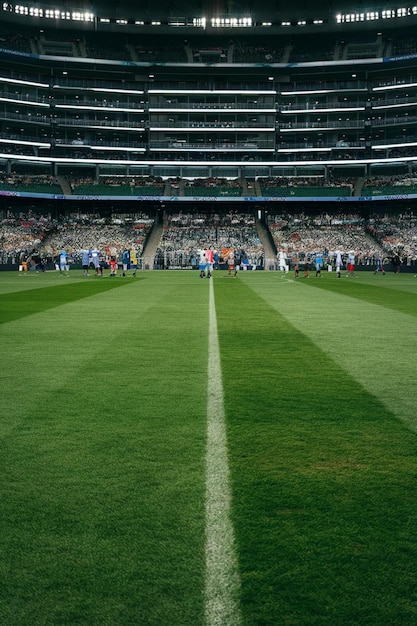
296	181
130	185
14	40
185	234
210	186
300	236
110	237
24	236
404	46
396	235
22	182
378	182
15	148
213	186
309	186
102	50
21	234
298	54
244	52
160	54
240	50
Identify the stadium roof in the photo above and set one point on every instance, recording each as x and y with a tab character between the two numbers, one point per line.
258	8
215	15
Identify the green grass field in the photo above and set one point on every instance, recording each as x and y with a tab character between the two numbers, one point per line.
178	451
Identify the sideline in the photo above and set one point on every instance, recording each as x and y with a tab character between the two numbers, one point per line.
222	581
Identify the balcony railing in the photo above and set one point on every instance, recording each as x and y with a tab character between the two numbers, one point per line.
212	107
180	146
321	107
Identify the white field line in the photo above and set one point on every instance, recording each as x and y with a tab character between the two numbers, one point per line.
222	588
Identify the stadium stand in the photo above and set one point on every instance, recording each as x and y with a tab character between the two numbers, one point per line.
213	115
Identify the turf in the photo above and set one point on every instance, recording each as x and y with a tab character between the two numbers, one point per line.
23	303
103	436
324	473
103	439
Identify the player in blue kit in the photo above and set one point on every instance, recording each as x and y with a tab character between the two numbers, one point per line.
319	263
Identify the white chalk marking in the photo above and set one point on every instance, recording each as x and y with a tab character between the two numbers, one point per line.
222	588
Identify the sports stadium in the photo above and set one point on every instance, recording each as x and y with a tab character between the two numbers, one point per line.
208	290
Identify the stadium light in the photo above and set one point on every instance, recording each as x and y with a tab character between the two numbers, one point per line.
25	102
370	15
38	144
93	108
231	22
373	15
385	146
215	92
396	86
237	163
16	81
319	109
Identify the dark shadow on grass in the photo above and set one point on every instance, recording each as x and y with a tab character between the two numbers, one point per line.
322	476
14	306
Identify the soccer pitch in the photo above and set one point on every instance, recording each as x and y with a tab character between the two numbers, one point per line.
181	451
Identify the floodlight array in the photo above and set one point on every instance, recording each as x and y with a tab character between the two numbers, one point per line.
216	21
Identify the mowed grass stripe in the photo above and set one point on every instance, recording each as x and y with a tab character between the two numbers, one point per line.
15	305
11	282
222	577
369	338
103	478
382	290
323	475
46	349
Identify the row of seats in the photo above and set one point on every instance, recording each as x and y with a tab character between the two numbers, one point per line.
281	187
185	234
240	50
